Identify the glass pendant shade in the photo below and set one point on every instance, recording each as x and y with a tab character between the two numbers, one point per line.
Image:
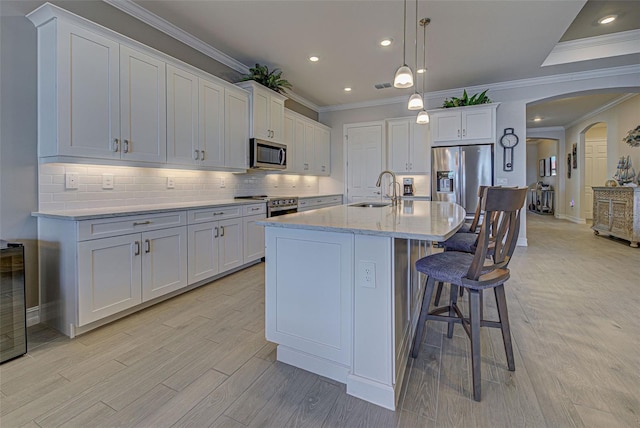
403	78
423	118
415	102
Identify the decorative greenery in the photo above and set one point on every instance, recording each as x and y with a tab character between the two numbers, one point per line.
270	79
481	98
633	137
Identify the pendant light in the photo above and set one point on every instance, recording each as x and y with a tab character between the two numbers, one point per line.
415	101
423	116
404	76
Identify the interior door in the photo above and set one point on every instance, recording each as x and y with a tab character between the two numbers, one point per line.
595	172
364	161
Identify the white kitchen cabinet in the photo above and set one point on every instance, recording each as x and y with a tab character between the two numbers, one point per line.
98	98
315	202
308	144
408	146
322	152
464	124
253	238
267	112
211	135
236	131
164	262
214	246
109	277
182	116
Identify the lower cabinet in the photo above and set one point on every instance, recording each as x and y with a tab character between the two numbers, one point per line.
214	247
313	203
616	212
118	273
253	238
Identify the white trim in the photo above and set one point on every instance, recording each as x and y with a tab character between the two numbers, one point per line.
599	110
300	100
161	24
546	129
572	219
33	316
511	84
606	46
522	242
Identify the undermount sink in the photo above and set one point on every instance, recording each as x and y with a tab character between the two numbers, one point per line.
370	205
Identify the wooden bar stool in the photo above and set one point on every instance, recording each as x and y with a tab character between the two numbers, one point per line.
475	273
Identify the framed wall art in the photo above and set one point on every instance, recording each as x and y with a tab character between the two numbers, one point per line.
575	155
554	166
568	165
541	167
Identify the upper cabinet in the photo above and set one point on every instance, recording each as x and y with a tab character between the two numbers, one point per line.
408	146
267	112
473	124
105	96
308	145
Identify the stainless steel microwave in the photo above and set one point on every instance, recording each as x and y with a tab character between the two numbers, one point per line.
267	155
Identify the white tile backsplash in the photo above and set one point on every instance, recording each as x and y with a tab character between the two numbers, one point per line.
144	186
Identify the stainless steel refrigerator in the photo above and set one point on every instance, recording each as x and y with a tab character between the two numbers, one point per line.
458	171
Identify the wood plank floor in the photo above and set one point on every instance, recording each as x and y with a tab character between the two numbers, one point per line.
201	359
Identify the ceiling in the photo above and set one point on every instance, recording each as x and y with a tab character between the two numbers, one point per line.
469	43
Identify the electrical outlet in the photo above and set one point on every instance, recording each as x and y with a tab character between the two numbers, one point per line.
171	184
71	180
368	274
107	181
222	184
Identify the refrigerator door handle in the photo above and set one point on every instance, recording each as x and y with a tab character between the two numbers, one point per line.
463	179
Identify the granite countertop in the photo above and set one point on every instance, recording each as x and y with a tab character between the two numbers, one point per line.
424	220
95	213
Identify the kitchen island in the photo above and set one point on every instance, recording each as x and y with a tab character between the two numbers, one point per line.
342	294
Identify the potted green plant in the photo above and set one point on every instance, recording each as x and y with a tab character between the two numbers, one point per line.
476	99
271	79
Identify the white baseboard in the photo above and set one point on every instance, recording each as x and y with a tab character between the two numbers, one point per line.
572	219
33	316
522	242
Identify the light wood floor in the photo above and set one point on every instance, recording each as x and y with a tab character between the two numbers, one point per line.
201	359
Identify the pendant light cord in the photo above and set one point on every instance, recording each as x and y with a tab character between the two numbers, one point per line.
404	35
416	39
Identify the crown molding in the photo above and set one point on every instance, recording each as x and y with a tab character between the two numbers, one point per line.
149	18
608	45
600	109
545	129
511	84
301	100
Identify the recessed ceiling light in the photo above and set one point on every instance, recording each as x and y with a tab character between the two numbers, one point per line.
386	42
347	89
314	59
607	19
421	70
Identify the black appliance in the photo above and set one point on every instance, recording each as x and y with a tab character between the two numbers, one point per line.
13	319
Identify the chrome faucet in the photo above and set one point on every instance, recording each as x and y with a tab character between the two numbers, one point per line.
394	195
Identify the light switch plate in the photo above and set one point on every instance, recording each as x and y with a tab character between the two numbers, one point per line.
107	181
71	180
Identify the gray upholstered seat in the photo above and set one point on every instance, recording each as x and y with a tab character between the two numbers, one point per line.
474	272
465	242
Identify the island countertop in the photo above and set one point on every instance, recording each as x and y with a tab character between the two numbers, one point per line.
423	220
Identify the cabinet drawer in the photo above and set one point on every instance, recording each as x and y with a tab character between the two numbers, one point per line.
219	213
305	204
254	209
102	228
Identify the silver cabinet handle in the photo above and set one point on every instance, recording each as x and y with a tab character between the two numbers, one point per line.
140	223
147	244
221	231
202	152
255	209
197	154
116	144
216	232
137	251
220	213
126	146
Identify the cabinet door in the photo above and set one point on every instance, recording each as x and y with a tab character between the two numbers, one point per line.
164	261
143	106
398	139
322	153
231	244
309	147
261	121
203	251
109	276
477	124
446	126
419	151
182	116
276	119
601	213
289	136
301	147
621	213
236	129
88	105
253	238
211	137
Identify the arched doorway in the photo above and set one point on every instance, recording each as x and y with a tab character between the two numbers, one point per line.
594	159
